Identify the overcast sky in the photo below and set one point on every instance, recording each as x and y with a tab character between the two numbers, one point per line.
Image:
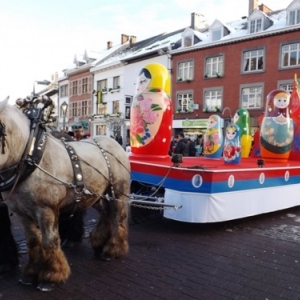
39	38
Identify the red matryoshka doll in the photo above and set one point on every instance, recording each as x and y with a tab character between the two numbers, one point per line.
277	129
255	151
232	145
151	113
295	112
213	138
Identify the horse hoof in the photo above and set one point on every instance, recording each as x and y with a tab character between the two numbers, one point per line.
27	280
45	286
68	244
5	268
105	257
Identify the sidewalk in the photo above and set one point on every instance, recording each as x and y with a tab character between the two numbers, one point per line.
253	258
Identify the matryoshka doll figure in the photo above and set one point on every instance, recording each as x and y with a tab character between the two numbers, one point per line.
242	119
151	113
277	129
232	145
213	138
255	151
295	113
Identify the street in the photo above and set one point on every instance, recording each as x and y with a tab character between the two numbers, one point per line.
251	258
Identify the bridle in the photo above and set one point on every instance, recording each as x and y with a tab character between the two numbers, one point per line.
10	177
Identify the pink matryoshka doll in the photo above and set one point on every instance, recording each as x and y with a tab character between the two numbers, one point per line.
213	138
232	145
277	129
151	113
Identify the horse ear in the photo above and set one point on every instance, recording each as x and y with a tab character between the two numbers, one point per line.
3	103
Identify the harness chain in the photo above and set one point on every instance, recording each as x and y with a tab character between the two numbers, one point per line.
108	167
78	178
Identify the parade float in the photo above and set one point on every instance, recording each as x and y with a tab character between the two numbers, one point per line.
221	185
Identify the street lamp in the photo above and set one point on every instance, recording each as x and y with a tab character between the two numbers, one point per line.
64	107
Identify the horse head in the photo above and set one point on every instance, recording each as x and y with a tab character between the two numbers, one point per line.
14	134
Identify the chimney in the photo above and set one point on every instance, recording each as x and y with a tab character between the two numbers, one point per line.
198	22
253	4
124	38
109	44
264	8
132	40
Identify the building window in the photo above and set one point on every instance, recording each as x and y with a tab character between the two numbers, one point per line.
252	97
255	25
84	108
213	100
127	112
74	109
100	129
216	34
116	107
185	102
294	17
116	82
74	87
102	85
188	40
286	86
128	99
84	85
186	70
214	66
101	109
64	90
253	61
290	55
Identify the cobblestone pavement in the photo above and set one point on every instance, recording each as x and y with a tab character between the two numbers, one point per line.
251	258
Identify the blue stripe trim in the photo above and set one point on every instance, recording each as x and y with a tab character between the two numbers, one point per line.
211	187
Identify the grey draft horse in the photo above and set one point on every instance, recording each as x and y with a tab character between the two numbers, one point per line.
41	176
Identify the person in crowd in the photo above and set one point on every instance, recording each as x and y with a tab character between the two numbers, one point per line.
173	145
181	146
192	147
119	139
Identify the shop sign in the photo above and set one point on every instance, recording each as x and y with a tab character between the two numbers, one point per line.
195	123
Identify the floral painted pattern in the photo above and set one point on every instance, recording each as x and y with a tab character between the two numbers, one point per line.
143	114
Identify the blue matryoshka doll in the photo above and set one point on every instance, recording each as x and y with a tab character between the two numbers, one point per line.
232	145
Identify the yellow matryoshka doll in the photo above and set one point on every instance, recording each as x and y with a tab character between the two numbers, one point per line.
151	113
277	129
242	119
213	138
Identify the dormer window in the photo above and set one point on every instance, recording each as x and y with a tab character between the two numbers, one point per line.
216	34
218	30
255	25
294	17
187	41
188	38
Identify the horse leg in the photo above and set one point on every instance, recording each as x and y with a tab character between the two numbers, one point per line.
47	263
9	257
71	229
109	238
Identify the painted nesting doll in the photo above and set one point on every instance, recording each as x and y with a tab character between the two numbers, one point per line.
232	145
277	129
242	119
255	151
213	138
295	113
151	112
